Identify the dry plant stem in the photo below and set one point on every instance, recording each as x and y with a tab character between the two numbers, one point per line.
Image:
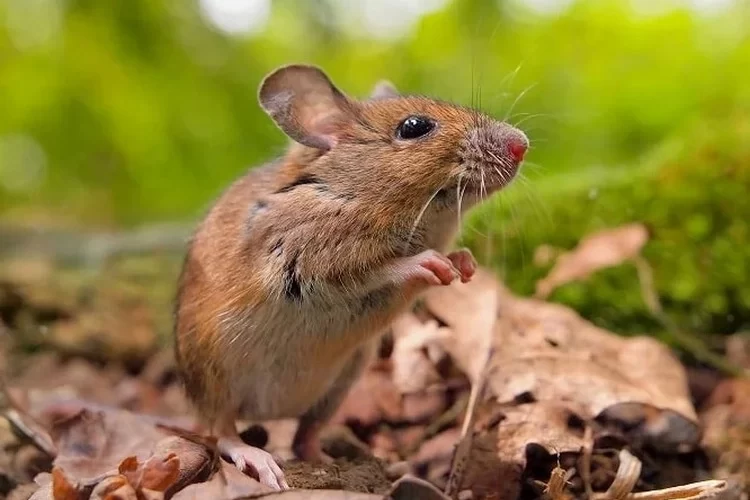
461	455
626	479
702	490
629	472
444	419
588	450
690	342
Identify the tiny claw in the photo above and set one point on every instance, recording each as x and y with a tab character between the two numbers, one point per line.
255	462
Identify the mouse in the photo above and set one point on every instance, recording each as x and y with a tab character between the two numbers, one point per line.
300	265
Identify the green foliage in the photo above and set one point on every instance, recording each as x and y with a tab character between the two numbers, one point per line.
691	193
121	113
141	110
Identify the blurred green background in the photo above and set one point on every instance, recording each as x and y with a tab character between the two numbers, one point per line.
116	114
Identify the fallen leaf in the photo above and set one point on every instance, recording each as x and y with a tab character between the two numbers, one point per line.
318	495
607	248
23	492
91	444
550	425
423	406
195	461
114	488
470	311
553	372
62	488
227	483
433	459
157	473
413	371
372	399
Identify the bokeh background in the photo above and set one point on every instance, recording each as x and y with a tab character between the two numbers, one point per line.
115	115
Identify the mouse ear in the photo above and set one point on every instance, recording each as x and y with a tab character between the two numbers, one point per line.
384	90
305	104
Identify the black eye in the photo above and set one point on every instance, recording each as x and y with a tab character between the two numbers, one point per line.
414	126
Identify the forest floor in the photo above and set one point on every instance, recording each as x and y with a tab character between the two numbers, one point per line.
477	393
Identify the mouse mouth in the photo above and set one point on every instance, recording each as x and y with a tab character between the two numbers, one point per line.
486	177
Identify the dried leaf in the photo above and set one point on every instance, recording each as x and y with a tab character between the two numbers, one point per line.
318	495
196	460
597	251
227	483
469	310
373	398
566	370
62	489
435	455
413	371
91	444
114	488
550	425
159	473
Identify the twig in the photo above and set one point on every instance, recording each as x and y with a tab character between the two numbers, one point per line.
588	450
630	470
627	476
461	455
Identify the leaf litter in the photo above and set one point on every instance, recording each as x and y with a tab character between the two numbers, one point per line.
482	393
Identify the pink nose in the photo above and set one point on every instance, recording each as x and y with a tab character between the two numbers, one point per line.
517	150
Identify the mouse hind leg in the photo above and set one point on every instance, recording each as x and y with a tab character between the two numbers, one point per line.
306	444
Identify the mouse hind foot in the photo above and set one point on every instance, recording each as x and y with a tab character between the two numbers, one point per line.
253	461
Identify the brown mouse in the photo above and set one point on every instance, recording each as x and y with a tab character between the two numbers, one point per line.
301	264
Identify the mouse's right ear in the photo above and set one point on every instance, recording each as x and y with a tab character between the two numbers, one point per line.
384	90
306	105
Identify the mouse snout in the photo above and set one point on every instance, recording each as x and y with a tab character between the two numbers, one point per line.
517	147
514	140
496	149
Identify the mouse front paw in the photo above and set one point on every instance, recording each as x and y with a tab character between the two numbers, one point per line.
464	261
434	268
254	462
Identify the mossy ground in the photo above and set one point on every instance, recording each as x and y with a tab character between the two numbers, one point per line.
692	193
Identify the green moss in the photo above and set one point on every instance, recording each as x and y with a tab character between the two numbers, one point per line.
692	193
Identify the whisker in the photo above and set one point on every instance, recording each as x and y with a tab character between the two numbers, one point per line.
460	219
459	199
540	209
518	98
508	79
530	117
419	218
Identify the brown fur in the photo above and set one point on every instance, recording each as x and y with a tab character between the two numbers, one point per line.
286	280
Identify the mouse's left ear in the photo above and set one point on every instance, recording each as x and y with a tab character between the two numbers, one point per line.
384	90
306	105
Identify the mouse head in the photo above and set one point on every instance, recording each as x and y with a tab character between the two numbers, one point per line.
391	149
